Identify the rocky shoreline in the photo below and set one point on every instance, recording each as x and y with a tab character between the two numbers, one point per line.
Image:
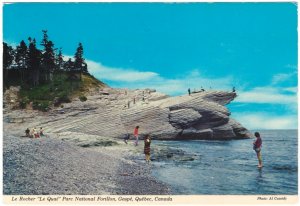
84	152
52	166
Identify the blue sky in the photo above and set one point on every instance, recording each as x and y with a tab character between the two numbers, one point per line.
175	46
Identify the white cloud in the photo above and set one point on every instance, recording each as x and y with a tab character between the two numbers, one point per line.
269	95
290	89
282	77
266	121
130	78
118	74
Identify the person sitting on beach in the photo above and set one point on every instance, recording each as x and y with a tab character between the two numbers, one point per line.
27	131
136	135
147	142
257	147
41	131
35	133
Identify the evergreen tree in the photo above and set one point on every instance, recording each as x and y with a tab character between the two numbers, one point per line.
8	55
48	57
60	60
21	59
34	61
69	66
21	55
79	62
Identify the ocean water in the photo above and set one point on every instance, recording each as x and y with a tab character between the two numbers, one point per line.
230	167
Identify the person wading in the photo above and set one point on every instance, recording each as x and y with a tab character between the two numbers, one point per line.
147	142
257	147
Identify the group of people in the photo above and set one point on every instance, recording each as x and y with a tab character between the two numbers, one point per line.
147	142
34	133
202	90
257	144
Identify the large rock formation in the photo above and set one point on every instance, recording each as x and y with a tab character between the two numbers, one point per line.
198	116
115	112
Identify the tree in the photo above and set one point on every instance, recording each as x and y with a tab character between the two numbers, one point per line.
69	66
21	55
34	61
48	57
21	59
8	55
59	60
79	62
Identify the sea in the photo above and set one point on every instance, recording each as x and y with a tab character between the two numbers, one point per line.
230	167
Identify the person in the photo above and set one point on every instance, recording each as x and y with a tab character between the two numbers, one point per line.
257	144
126	138
35	133
31	134
233	89
147	141
27	131
136	135
189	91
41	131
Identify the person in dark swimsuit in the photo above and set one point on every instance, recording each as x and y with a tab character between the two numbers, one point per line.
147	142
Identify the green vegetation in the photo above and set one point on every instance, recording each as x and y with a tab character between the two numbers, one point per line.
60	90
83	98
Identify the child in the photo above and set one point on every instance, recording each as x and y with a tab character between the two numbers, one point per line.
257	147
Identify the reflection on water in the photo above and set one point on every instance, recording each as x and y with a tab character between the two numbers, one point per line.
230	167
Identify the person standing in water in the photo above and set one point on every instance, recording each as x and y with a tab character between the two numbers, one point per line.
147	141
136	135
257	147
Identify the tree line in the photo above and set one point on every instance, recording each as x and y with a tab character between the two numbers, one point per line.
26	64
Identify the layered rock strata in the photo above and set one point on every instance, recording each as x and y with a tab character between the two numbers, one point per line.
115	112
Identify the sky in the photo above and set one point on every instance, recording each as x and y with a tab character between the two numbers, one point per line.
175	46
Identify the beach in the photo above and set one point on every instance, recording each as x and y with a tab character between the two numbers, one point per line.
54	166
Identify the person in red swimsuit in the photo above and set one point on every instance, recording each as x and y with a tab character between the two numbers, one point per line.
257	147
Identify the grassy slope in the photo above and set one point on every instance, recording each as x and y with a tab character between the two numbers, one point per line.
60	90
